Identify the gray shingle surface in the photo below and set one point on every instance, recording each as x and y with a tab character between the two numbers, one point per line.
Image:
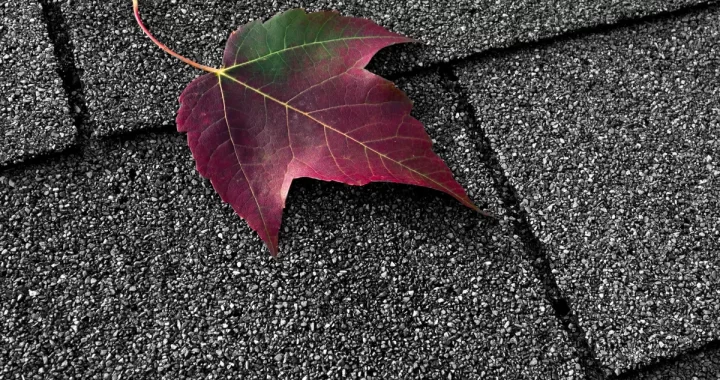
131	84
33	106
613	143
695	366
126	263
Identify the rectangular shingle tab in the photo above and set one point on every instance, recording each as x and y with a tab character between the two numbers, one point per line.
131	84
34	116
128	257
613	143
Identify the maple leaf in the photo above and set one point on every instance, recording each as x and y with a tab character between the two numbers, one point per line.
293	100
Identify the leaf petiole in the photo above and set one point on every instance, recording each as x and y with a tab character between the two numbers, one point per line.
167	49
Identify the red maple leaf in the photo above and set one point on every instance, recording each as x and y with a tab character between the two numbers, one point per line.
293	100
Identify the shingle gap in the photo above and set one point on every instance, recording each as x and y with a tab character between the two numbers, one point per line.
664	366
63	48
569	35
534	248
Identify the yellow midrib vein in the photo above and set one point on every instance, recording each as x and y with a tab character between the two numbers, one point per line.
227	123
460	198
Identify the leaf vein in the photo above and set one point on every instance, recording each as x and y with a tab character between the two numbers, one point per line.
382	156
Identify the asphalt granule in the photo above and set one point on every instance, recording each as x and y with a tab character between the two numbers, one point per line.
612	143
126	263
34	115
131	84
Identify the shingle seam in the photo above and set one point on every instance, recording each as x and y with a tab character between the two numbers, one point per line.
518	45
72	83
534	249
657	367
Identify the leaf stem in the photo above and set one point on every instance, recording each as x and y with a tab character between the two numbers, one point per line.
167	49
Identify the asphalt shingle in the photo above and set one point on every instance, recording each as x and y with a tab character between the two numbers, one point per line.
130	84
34	117
126	263
695	366
613	143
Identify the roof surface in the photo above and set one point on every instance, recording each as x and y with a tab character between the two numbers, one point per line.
613	143
381	281
34	118
591	129
122	70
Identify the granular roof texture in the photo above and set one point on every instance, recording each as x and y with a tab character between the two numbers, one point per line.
34	117
131	84
125	263
698	365
590	130
612	141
